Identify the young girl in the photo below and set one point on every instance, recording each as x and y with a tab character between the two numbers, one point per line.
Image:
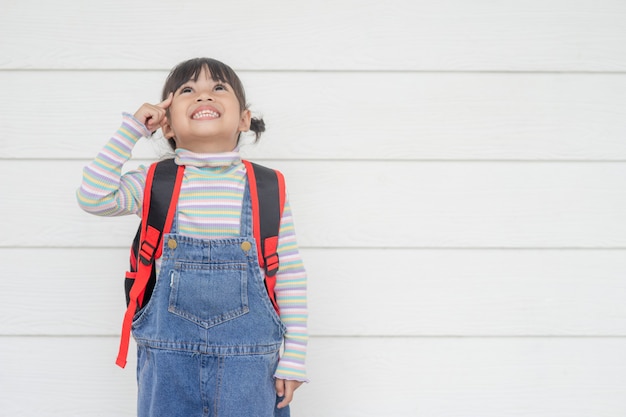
232	368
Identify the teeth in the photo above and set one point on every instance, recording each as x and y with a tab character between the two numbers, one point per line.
205	113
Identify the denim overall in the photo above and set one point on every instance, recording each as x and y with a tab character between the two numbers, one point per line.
208	340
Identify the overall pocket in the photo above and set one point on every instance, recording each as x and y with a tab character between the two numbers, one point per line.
209	294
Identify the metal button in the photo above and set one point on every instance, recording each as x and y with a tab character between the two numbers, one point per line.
171	243
245	246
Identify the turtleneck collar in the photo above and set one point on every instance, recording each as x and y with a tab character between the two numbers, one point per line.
222	159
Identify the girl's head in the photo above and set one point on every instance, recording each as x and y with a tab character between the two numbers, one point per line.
209	104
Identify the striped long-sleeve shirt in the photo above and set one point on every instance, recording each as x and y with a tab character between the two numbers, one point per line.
209	207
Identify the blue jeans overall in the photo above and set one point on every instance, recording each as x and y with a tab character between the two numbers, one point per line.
208	340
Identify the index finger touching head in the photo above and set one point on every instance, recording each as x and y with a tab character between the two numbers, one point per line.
167	102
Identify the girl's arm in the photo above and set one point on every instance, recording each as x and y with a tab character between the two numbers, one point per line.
291	296
104	191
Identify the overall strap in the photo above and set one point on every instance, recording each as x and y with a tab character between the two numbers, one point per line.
267	192
161	191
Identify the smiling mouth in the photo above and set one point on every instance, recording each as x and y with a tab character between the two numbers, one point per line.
205	114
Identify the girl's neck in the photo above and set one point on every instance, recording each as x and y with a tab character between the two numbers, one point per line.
210	147
207	159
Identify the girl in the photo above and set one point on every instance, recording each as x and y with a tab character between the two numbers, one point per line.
184	369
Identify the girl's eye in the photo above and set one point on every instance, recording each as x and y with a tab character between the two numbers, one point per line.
186	90
220	87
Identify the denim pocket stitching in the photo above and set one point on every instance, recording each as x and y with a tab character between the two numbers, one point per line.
196	288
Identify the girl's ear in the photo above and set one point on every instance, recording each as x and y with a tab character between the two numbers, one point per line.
244	122
168	132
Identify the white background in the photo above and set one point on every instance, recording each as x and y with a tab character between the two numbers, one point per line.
457	171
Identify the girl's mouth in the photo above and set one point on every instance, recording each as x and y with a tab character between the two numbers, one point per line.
205	113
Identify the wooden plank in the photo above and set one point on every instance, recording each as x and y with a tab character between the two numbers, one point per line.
345	116
535	35
563	377
65	377
353	292
368	204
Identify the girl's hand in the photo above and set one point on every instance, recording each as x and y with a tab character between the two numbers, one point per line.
153	116
285	388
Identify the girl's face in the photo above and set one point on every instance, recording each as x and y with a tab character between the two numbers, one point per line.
205	116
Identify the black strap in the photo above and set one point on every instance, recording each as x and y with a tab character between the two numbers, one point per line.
163	184
269	201
162	190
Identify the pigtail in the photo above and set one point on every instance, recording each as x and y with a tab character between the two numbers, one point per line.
257	125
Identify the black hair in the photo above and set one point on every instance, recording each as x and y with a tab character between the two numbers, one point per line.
191	69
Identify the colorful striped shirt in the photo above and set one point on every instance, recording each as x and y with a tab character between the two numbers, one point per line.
209	207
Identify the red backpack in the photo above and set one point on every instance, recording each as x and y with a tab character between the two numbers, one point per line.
163	181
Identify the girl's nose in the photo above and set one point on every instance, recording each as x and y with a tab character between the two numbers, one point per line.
204	96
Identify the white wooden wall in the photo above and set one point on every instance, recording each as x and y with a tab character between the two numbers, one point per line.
457	170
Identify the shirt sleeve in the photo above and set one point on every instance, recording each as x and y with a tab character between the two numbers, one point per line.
104	191
291	296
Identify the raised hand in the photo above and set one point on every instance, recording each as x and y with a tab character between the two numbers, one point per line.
153	116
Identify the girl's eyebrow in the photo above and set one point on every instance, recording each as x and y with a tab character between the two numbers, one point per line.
186	83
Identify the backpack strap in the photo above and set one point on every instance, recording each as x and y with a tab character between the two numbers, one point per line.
267	192
162	187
